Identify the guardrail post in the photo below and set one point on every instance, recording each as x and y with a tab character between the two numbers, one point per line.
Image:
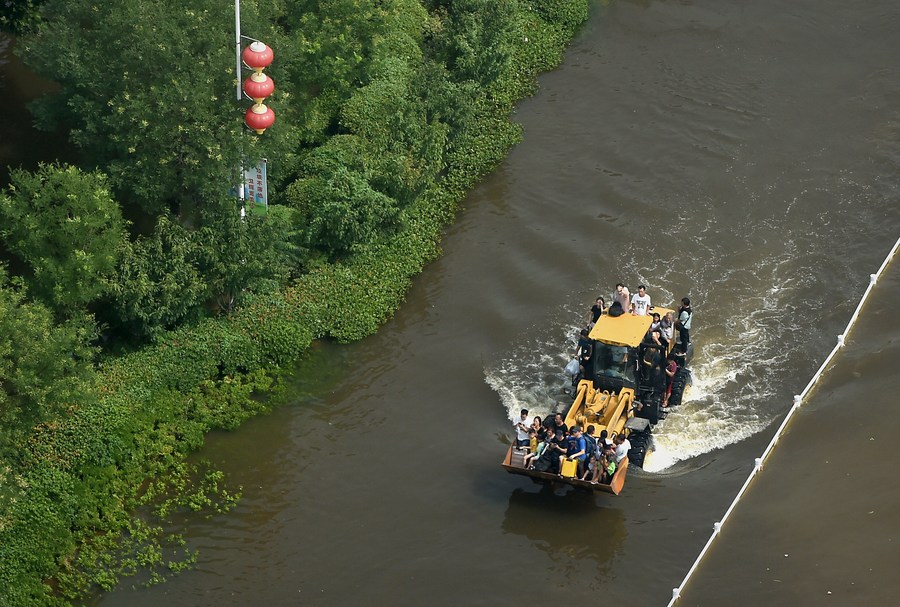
798	400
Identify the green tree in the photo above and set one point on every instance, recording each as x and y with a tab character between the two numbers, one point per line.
147	91
338	205
344	211
570	14
251	254
157	284
65	226
474	38
404	144
45	367
335	42
20	16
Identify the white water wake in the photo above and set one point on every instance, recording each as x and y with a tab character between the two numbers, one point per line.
530	375
739	359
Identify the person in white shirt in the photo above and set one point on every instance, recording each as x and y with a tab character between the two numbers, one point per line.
640	303
521	426
623	446
623	297
666	327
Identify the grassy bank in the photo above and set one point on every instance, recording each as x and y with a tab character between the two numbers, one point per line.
86	502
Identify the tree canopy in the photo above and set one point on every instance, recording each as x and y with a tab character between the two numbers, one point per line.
147	89
377	100
387	111
68	230
45	366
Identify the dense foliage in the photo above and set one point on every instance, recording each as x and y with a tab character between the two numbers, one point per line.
19	16
45	366
68	230
388	112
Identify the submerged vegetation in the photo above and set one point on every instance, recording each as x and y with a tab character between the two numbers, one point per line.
139	311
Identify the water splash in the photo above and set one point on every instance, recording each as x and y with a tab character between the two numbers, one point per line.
705	421
756	330
740	357
531	374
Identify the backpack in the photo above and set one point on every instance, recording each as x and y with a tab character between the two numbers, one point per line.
615	309
590	447
545	461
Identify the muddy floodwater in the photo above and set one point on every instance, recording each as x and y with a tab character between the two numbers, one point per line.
742	153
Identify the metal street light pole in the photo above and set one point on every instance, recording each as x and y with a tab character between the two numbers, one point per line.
237	77
237	46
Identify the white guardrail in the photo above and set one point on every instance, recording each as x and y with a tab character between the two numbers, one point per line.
798	400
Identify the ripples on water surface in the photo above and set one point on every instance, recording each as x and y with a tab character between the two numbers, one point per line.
734	183
743	154
768	301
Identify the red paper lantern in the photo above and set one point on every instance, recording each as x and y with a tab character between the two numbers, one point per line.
258	56
259	117
258	87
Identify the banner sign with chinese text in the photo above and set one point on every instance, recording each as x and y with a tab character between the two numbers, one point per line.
256	188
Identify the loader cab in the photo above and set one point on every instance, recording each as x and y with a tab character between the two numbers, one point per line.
613	367
623	358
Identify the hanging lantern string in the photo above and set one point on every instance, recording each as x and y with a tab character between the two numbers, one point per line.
258	56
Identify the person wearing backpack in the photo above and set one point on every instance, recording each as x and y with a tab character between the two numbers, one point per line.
592	454
683	324
576	450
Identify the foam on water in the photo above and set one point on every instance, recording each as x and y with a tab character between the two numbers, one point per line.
704	422
733	388
531	374
759	308
740	355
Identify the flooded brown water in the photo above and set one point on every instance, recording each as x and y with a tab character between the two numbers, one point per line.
820	525
744	154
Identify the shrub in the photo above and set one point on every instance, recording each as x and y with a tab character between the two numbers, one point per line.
65	225
78	508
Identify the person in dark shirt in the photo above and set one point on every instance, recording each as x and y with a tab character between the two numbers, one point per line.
585	344
683	323
560	424
548	460
596	311
538	425
585	369
615	309
604	441
556	451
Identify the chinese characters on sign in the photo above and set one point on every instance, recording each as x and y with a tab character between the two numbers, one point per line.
256	188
